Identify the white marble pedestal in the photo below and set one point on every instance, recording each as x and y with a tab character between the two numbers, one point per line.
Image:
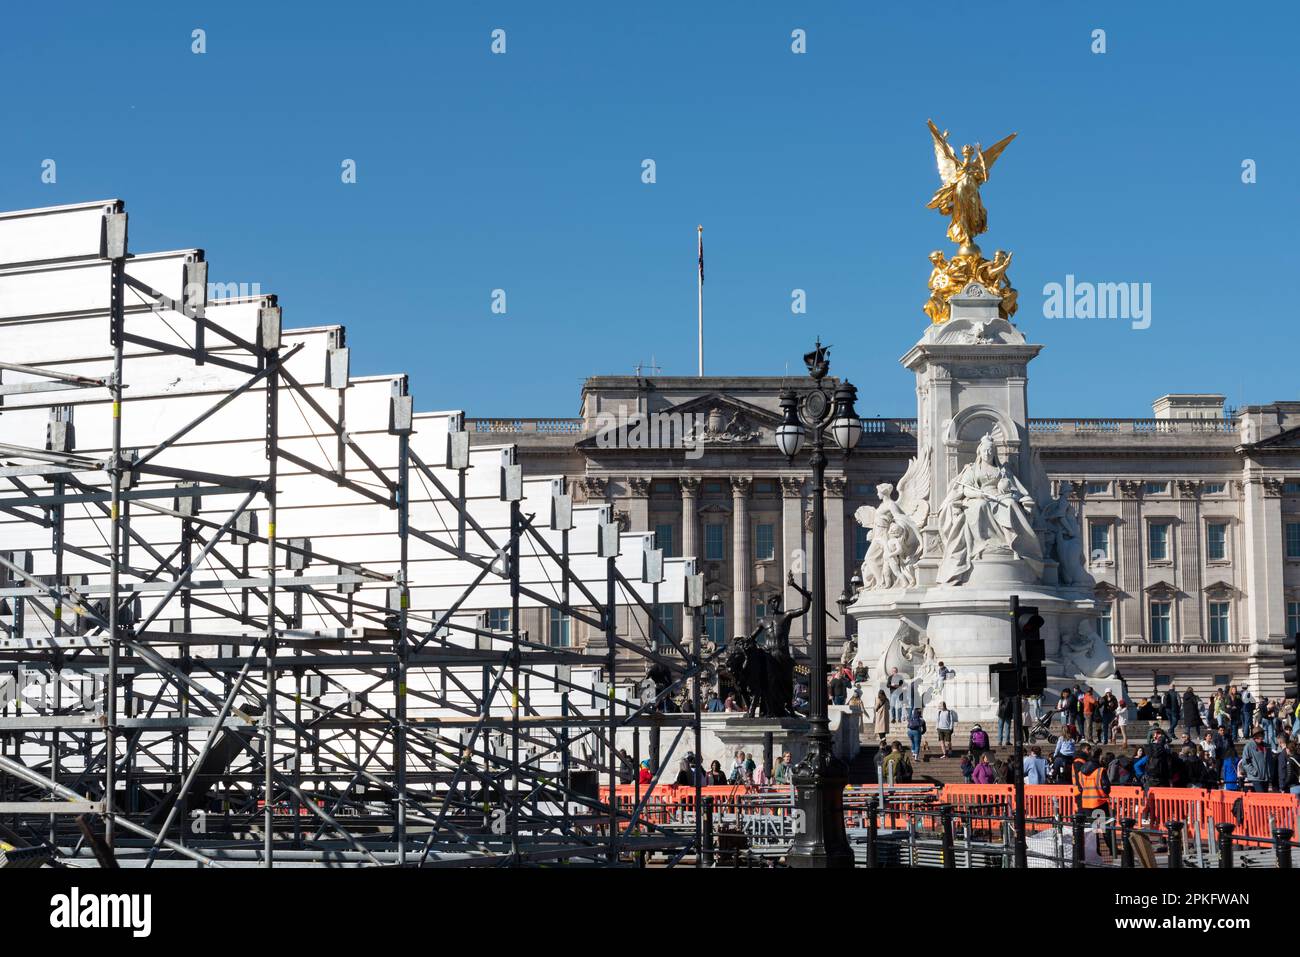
970	629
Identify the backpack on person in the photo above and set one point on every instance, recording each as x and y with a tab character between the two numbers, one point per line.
1157	769
979	739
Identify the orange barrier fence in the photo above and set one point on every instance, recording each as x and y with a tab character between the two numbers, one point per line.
968	795
1048	800
1127	801
1254	815
669	802
1174	804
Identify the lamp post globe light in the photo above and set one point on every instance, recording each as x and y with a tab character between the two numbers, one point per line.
819	778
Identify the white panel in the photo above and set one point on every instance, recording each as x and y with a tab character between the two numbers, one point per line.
62	232
86	286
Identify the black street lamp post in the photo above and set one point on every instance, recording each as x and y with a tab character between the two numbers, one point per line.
819	778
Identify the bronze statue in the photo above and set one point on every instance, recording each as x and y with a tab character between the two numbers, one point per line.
747	664
765	676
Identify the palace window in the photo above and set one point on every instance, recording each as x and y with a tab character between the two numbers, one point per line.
1216	541
667	617
1218	622
1214	488
713	486
498	619
1103	623
560	632
1099	541
715	539
1097	488
1155	488
1291	488
1160	622
1293	539
664	540
860	543
764	543
715	626
1293	618
764	486
1158	541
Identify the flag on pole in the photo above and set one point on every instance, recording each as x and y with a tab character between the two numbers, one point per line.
700	292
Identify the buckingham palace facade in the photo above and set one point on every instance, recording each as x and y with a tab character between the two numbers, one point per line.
1192	515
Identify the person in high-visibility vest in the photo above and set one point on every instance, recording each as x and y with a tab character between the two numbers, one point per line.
1094	789
1080	759
1094	792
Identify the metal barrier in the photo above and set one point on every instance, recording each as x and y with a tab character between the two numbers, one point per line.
1255	816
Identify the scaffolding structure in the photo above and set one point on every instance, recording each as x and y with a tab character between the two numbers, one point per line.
244	594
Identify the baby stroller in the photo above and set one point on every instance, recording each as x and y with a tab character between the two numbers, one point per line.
1042	728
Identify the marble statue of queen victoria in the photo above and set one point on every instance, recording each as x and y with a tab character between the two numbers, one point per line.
986	511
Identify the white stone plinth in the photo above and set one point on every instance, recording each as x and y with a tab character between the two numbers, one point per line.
969	627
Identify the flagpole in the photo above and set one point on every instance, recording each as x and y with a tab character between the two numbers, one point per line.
700	231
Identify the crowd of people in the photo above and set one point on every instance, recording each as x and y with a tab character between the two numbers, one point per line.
744	771
1229	740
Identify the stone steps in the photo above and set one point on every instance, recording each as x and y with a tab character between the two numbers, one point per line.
1137	733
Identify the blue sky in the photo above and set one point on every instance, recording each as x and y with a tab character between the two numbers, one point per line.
522	172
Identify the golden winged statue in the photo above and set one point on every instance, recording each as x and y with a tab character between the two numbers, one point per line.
959	196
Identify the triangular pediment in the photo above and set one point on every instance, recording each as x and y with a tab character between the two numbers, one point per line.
1220	590
1288	440
726	404
1161	589
1105	591
719	419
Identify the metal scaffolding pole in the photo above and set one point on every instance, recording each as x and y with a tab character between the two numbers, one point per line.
116	235
181	630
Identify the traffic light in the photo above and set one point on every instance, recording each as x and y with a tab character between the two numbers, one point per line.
1290	688
1005	680
1031	648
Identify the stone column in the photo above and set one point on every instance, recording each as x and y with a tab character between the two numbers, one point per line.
638	503
690	545
1191	611
837	577
1265	562
792	544
1132	623
741	560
